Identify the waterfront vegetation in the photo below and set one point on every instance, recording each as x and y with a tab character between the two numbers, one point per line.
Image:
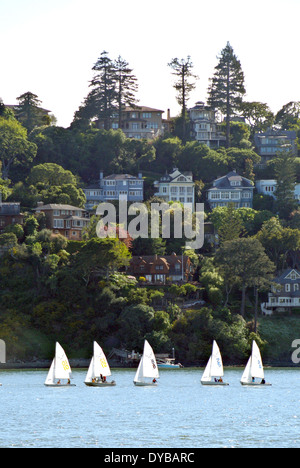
53	289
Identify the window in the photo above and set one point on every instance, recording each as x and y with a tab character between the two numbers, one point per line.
58	223
215	195
287	288
56	213
146	115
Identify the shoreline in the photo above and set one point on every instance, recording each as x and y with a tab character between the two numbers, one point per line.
84	364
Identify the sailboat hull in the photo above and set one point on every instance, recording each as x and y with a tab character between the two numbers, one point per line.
255	384
215	384
145	384
60	385
100	384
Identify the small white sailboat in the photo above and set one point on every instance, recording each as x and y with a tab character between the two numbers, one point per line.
147	368
99	370
254	369
60	373
214	370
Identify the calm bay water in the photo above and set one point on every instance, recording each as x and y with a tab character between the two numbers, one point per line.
179	413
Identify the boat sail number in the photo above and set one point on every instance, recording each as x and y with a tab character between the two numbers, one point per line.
103	362
65	365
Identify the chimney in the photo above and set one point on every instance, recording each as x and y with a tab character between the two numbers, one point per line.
168	114
101	175
39	204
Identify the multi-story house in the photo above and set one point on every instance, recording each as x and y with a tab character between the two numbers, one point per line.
271	142
231	188
138	122
67	220
285	293
10	213
204	126
177	187
115	187
162	269
268	187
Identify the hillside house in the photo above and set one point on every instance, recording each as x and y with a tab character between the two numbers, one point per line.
285	293
231	188
67	220
162	269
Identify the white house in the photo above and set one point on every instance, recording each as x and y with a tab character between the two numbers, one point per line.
231	188
285	293
177	187
268	187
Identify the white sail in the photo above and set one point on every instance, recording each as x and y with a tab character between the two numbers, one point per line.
246	377
62	366
254	368
257	369
214	366
99	365
51	377
206	377
148	365
100	362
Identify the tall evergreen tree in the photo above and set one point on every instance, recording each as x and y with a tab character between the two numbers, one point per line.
29	112
182	69
113	87
285	175
227	86
126	84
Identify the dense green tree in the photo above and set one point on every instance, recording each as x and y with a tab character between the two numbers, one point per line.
244	263
15	149
227	86
288	118
29	112
257	115
285	175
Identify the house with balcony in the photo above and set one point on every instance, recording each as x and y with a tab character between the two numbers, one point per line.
140	122
67	220
177	187
115	187
231	188
285	293
269	143
162	269
205	127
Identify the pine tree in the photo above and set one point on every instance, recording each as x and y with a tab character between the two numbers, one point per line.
285	175
113	87
28	112
227	86
231	226
126	84
182	69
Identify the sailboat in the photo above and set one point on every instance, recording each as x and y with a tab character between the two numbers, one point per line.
214	370
60	373
147	368
99	369
254	369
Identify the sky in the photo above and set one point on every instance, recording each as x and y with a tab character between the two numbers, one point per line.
48	47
